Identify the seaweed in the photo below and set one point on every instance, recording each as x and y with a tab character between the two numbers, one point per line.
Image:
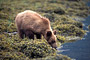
11	47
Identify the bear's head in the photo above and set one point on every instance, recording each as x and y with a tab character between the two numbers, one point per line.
51	38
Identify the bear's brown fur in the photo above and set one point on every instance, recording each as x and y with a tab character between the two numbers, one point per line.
30	23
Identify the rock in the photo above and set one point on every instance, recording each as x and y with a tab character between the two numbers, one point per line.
89	27
60	11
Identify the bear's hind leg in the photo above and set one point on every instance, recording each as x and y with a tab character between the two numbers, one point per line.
21	33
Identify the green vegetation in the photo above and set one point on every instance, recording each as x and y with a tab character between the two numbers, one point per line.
11	47
64	16
7	26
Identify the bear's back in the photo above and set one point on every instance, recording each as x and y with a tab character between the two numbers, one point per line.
32	20
29	12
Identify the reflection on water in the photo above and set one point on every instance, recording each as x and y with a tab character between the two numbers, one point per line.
80	49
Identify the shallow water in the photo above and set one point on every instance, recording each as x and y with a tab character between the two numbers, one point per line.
88	4
78	50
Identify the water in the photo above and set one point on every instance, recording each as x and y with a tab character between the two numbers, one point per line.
88	4
78	50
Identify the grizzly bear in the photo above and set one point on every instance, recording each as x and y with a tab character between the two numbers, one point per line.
30	23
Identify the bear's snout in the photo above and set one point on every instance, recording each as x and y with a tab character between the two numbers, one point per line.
53	44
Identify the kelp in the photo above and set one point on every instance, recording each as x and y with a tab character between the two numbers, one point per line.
11	47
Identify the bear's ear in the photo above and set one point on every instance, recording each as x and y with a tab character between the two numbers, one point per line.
54	32
49	33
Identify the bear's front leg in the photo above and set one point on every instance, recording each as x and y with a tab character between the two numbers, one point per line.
29	34
38	36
